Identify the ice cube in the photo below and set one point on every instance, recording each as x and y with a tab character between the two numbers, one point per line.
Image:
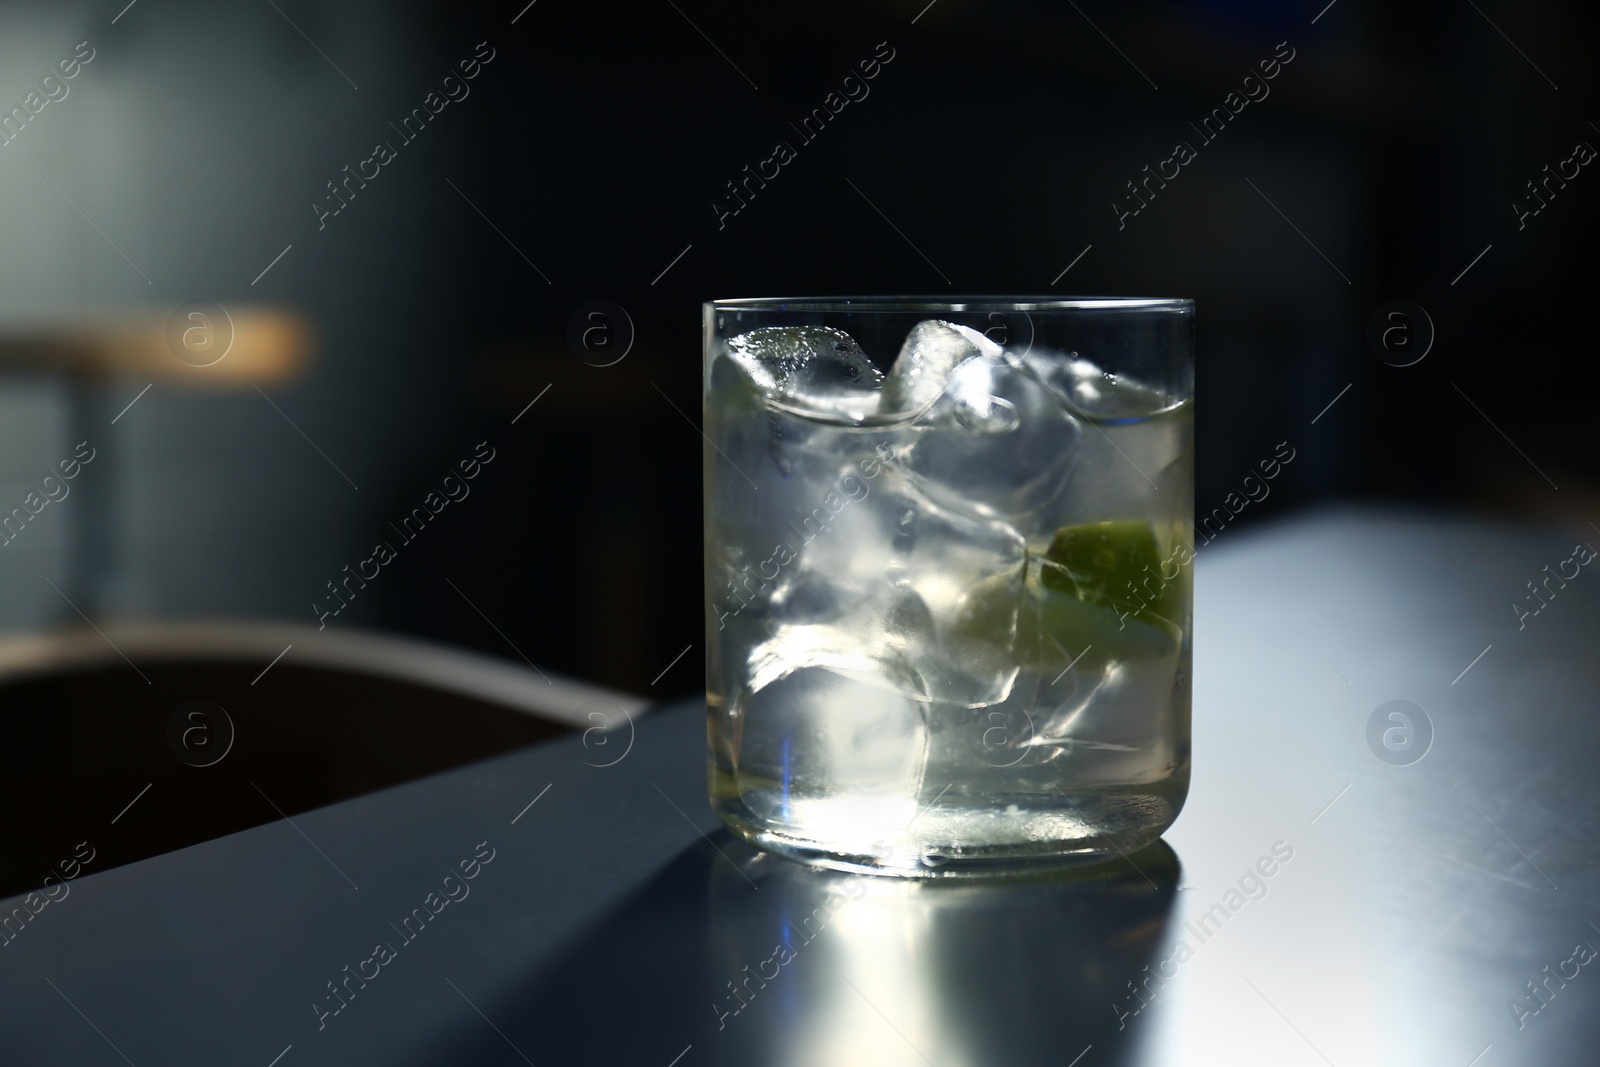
839	649
1137	442
1090	392
812	370
996	445
927	363
904	563
876	559
939	551
845	727
1115	723
985	414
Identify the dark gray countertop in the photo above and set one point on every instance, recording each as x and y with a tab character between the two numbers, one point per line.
1406	910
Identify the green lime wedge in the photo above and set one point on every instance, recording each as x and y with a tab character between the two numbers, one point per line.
1098	593
1117	565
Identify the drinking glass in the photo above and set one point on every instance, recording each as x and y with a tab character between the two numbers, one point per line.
948	577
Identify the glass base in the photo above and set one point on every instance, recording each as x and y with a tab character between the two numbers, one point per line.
968	838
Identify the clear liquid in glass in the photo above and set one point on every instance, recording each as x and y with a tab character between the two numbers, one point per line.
949	612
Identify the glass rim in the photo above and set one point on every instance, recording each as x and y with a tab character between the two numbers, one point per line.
912	303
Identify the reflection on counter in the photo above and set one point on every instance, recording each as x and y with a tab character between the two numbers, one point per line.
753	959
823	968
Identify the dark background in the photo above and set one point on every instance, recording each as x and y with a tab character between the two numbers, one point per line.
985	160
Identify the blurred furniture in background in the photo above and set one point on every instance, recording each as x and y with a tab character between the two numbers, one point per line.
209	728
198	345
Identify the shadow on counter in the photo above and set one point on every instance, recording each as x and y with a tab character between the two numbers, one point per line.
753	959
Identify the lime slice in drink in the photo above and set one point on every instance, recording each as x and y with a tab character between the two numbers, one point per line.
1077	601
1116	565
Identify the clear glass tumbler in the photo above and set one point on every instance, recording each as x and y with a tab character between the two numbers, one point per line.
948	577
